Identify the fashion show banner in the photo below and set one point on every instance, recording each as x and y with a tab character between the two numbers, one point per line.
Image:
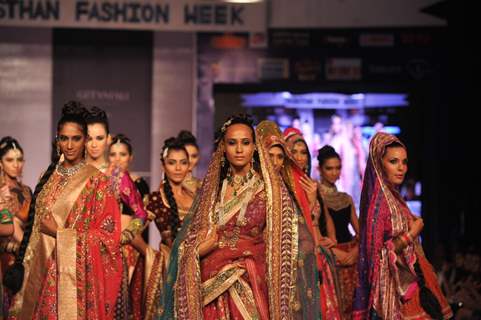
174	15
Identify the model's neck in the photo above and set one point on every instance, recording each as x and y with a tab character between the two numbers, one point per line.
97	163
241	171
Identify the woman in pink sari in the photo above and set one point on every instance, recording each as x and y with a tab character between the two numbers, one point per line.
395	279
70	257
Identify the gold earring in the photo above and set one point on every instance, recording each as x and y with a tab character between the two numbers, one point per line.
58	150
222	161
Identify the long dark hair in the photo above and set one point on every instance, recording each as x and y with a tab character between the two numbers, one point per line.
72	111
244	119
170	144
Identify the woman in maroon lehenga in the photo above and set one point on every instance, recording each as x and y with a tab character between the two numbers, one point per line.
237	253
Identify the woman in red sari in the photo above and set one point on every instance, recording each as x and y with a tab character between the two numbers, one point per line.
395	279
236	256
72	263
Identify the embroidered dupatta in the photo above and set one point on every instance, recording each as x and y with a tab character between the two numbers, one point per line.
182	294
385	277
77	275
328	308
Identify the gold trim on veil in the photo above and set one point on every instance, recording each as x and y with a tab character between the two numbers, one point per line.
280	237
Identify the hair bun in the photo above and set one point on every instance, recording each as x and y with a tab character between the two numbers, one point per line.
169	142
74	108
326	152
187	137
327	149
121	137
6	140
98	114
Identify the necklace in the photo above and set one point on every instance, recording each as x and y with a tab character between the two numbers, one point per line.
237	182
221	212
68	172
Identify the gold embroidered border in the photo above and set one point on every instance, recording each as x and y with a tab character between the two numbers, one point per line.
242	295
41	246
221	282
67	276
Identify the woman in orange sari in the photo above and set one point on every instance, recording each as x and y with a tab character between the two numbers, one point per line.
236	256
396	280
70	257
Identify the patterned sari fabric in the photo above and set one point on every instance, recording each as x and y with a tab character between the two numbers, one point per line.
77	274
130	200
251	277
320	260
389	287
149	274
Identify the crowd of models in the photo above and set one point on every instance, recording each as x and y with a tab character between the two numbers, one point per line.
256	238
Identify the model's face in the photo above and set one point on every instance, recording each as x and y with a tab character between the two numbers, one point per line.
395	164
300	154
331	170
277	156
12	163
71	141
193	156
97	142
239	145
120	156
176	165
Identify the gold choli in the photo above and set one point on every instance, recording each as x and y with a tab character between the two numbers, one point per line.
334	199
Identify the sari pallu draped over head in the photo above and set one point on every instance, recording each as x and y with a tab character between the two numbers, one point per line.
388	281
182	294
326	296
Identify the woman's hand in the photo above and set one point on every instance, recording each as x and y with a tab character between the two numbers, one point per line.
327	242
310	187
352	256
167	238
416	227
341	256
139	244
48	225
210	243
5	194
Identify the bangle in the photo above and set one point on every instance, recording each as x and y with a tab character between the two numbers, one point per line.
406	238
409	236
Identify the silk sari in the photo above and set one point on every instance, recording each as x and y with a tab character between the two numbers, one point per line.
77	274
389	285
254	276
